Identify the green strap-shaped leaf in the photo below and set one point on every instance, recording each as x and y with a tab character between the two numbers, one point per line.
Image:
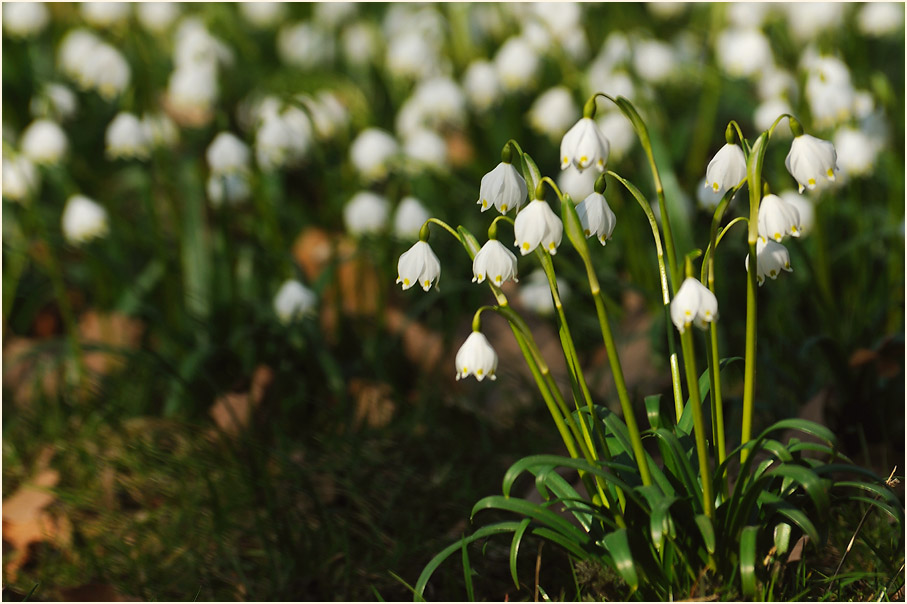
562	489
659	521
802	425
685	425
467	573
773	502
469	241
619	547
748	561
573	227
707	530
678	462
653	411
782	537
814	486
536	512
530	173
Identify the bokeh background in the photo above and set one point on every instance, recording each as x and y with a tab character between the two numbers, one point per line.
179	423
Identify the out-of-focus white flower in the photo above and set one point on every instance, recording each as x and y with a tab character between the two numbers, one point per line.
477	357
807	20
418	264
305	45
494	262
771	259
666	10
442	101
879	19
537	225
294	300
227	154
160	129
693	304
618	131
409	218
726	169
23	19
768	111
423	20
55	101
108	71
332	14
809	159
504	188
44	142
20	178
482	85
775	82
863	104
262	15
372	152
535	294
127	138
805	207
412	56
105	14
301	132
743	52
272	143
563	19
194	44
517	64
426	147
360	42
601	77
616	51
537	36
365	212
329	115
706	197
576	184
553	112
856	152
585	145
777	219
74	51
228	188
157	17
654	60
747	14
193	88
596	217
83	220
829	90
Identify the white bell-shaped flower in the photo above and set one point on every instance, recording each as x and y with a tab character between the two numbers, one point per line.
726	169
227	153
477	357
482	85
372	151
504	188
20	178
494	262
596	217
576	184
806	209
809	159
553	112
693	304
538	225
160	129
366	212
409	218
293	300
743	52
418	264
517	64
44	142
126	137
54	101
228	188
23	19
585	145
156	17
777	218
771	259
83	220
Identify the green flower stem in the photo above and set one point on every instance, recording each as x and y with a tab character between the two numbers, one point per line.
446	227
665	291
689	358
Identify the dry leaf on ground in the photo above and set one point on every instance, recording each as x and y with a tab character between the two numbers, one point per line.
232	412
374	406
116	332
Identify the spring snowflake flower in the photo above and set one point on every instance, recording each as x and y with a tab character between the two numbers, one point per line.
409	218
618	131
44	142
771	259
227	154
596	217
425	147
411	56
262	15
305	45
777	219
693	304
538	225
365	212
829	91
553	112
494	262
878	19
856	151
418	264
329	116
517	64
105	14
126	137
655	61
476	357
743	52
192	88
576	184
360	42
55	101
805	207
585	145
20	178
293	300
503	188
372	151
160	129
23	19
809	159
157	17
228	188
706	198
726	169
106	70
482	85
83	220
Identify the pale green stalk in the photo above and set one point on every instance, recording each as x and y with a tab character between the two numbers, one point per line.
689	362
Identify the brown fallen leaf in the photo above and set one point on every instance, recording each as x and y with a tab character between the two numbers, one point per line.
117	332
313	250
374	406
421	345
232	412
95	592
29	371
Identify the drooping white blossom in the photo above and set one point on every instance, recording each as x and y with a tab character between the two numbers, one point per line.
83	220
693	304
596	217
24	19
726	169
293	301
365	213
20	178
227	153
517	64
810	159
585	145
418	264
777	219
44	142
409	217
553	112
771	259
538	225
372	151
126	138
495	263
504	188
476	357
482	85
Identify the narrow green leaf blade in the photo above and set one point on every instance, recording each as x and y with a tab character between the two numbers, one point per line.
619	547
515	549
748	561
